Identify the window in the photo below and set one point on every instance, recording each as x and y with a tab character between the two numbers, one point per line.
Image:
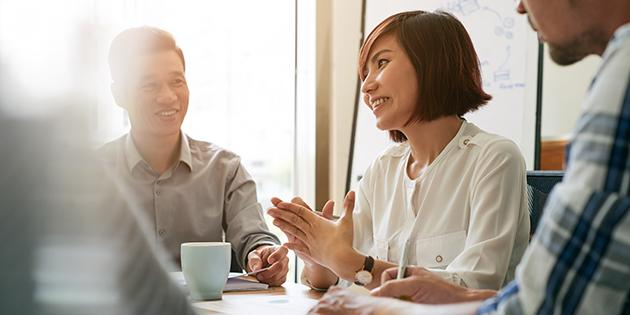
241	71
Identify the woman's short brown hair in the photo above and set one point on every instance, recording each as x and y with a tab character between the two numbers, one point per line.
135	42
446	64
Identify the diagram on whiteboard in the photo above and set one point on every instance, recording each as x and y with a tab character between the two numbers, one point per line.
496	66
508	53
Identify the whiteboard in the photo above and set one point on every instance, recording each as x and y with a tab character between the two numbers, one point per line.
508	53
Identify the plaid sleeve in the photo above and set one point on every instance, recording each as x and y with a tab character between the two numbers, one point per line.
579	260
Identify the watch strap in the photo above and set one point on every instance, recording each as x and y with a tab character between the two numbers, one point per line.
368	264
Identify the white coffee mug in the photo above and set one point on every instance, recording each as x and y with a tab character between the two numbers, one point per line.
206	266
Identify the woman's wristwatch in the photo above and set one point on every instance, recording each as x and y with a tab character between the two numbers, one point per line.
364	275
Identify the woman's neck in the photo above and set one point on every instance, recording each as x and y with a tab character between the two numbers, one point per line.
427	140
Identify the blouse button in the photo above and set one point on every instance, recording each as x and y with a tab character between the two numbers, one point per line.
464	142
439	258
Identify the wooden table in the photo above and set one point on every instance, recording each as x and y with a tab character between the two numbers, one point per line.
296	299
291	298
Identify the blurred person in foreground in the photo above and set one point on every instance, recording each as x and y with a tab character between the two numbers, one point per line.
578	261
191	191
69	249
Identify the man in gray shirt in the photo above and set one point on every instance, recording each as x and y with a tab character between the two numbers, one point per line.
190	190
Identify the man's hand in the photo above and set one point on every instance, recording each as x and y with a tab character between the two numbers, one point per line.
423	286
344	302
274	257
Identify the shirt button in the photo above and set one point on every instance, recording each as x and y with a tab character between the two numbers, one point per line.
162	232
439	258
157	192
464	142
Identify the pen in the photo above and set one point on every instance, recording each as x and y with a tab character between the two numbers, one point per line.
251	273
402	268
402	264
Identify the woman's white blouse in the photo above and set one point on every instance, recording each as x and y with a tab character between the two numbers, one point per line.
467	213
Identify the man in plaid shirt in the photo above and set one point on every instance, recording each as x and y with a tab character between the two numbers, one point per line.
579	259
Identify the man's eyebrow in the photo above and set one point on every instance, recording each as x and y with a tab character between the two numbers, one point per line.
147	77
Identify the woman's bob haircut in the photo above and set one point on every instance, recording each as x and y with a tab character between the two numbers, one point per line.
445	61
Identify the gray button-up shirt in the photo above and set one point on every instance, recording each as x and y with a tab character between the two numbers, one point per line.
206	196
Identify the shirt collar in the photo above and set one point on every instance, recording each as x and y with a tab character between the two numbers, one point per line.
621	34
184	152
133	157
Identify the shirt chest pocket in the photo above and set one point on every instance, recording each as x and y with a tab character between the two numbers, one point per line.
439	251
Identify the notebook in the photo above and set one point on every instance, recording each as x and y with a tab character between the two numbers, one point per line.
234	283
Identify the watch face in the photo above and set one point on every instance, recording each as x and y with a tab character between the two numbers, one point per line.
363	277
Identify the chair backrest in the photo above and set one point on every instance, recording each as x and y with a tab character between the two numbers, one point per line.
539	185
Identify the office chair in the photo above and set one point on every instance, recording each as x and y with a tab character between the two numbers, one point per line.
539	185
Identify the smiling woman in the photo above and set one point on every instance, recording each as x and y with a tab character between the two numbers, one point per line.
440	189
447	76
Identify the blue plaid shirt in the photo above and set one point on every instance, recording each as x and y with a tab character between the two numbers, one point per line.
579	259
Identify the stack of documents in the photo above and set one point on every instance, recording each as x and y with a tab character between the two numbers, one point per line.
235	282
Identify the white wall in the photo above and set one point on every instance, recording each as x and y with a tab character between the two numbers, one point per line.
564	89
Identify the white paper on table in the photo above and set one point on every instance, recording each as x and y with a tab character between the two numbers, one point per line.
258	304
